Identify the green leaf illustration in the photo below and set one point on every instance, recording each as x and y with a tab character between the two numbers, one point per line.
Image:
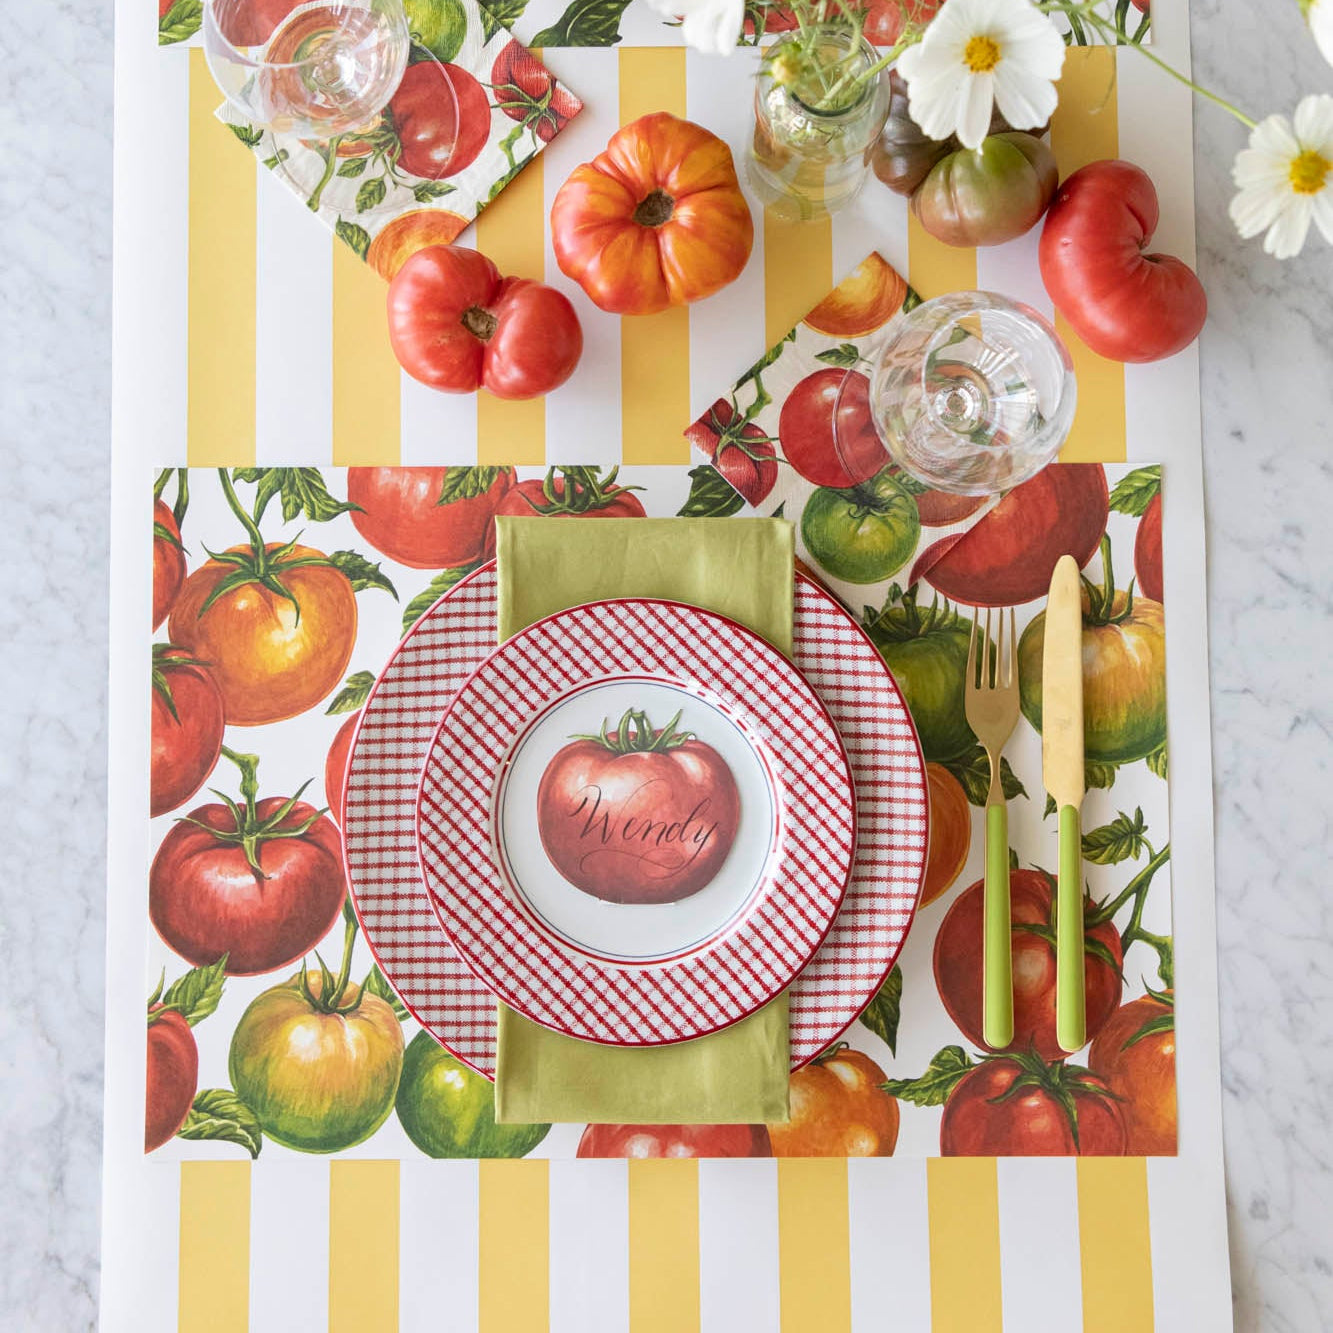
1157	761
247	134
180	22
219	1114
972	769
846	355
357	237
1120	840
711	495
428	596
585	23
939	1080
498	14
371	194
362	573
466	483
197	994
375	984
354	693
425	191
881	1015
353	167
1098	776
1134	491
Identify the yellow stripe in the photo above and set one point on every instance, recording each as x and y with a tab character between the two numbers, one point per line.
798	272
511	232
214	1262
964	1202
363	1247
663	1246
1113	1238
935	269
367	384
221	337
654	349
514	1267
1085	129
814	1241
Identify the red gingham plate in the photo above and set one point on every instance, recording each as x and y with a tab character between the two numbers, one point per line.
399	724
759	807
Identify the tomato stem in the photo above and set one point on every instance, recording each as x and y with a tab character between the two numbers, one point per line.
656	210
636	735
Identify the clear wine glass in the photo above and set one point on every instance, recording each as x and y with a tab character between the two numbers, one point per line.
971	393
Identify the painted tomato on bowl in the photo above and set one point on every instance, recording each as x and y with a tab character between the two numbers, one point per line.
638	814
652	1141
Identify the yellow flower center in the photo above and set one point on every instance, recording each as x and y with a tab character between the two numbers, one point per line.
1309	172
981	54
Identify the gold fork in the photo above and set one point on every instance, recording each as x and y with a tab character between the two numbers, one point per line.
991	705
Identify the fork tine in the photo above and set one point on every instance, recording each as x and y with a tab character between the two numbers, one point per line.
987	660
1000	681
972	650
1011	665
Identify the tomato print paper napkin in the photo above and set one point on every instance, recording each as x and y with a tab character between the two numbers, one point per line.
742	570
509	108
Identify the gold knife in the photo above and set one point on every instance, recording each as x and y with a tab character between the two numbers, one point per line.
1062	771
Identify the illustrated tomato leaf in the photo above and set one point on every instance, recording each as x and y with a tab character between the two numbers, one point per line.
361	573
766	360
467	483
425	191
427	597
357	237
354	693
371	194
499	14
247	134
1120	840
197	994
881	1015
218	1114
1098	776
1134	491
711	495
972	769
939	1080
1165	1022
301	489
279	157
846	355
911	300
376	984
180	22
585	23
1157	761
353	167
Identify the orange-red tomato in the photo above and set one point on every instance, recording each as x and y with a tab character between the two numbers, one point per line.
187	726
168	561
657	220
173	1076
869	296
644	1141
1140	1068
950	832
838	1109
270	659
407	234
335	768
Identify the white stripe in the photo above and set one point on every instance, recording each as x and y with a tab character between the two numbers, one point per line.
1190	1263
1039	1243
890	1244
739	1284
139	1296
289	1244
437	1247
1013	271
876	220
589	1221
437	428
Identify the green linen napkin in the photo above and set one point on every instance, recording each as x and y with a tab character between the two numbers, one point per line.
741	568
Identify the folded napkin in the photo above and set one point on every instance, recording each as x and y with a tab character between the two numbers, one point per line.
741	569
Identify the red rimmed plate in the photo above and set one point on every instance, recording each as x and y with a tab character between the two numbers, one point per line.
636	822
399	724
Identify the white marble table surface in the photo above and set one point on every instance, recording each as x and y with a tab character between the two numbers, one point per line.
1268	420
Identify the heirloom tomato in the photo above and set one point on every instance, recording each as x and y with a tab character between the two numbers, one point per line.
1148	550
867	298
439	135
335	768
1020	1106
950	832
438	25
837	455
1135	1054
173	1076
743	454
260	881
958	964
572	492
639	815
255	23
1124	303
187	727
657	220
641	1141
429	517
885	19
168	561
838	1109
320	1075
410	232
448	1110
525	91
456	325
863	534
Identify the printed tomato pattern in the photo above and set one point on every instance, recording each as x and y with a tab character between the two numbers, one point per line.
270	1028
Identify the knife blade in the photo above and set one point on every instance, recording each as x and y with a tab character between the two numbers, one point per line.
1062	772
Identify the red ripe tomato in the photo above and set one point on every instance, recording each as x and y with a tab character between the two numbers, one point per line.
1125	304
825	457
939	509
525	91
1135	1053
187	726
253	24
1019	1106
168	561
885	19
429	517
440	135
335	768
457	325
958	964
577	492
261	882
744	455
173	1076
1008	557
1148	550
675	1141
641	816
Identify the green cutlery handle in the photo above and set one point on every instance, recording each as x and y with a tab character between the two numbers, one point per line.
1070	1024
997	1022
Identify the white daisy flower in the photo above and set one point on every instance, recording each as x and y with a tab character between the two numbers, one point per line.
976	53
1319	15
710	26
1285	178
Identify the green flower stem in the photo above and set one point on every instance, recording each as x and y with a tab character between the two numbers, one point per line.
850	81
330	155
